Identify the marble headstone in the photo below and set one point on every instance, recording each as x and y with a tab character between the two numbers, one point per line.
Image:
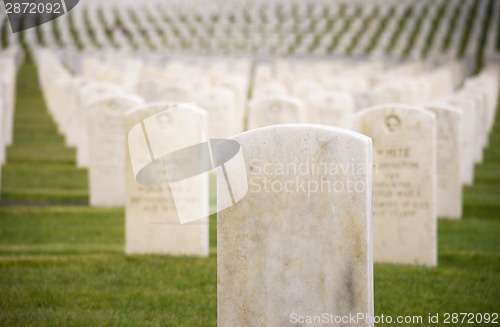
2	137
151	214
275	110
468	135
266	90
299	242
331	108
154	89
220	104
481	129
448	183
107	144
2	144
88	93
404	182
8	75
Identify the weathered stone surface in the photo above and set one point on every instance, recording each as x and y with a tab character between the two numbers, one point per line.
448	184
300	240
331	108
275	110
88	93
404	182
107	144
220	104
152	215
468	135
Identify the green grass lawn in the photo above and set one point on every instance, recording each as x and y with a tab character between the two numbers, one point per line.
65	265
39	167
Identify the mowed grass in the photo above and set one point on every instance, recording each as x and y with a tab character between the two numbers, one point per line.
39	167
65	265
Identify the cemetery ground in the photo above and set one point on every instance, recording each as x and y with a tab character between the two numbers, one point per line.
62	263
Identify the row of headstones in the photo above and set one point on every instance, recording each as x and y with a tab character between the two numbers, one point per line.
369	81
105	173
309	190
219	84
70	97
266	239
210	85
310	35
273	107
10	60
356	25
355	85
476	102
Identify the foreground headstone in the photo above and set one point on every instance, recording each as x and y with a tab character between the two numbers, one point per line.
448	183
299	242
151	215
275	110
107	144
404	179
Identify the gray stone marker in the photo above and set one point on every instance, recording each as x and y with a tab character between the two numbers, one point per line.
299	242
404	182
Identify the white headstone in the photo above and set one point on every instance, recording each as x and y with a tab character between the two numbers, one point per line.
220	104
266	90
2	138
331	108
468	135
8	75
448	183
275	110
87	94
2	144
107	144
72	111
391	92
152	216
366	99
481	127
239	85
155	89
404	182
299	242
